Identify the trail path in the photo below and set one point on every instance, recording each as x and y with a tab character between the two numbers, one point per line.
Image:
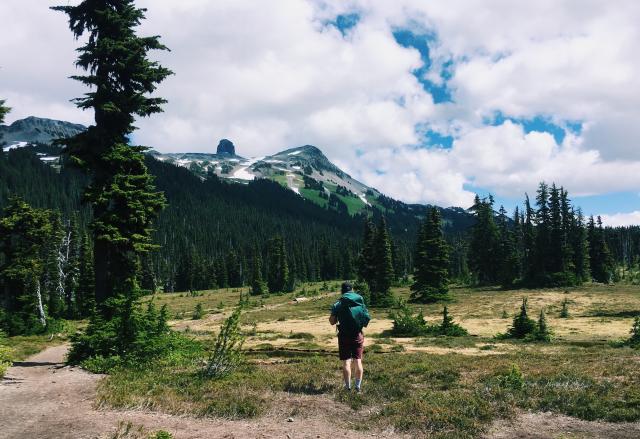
42	398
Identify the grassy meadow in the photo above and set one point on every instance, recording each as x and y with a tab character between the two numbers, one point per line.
422	386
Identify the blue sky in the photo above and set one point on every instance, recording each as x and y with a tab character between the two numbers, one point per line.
426	101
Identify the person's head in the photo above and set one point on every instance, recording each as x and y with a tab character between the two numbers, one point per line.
346	287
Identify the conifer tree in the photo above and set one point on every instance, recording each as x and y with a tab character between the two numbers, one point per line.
580	248
85	294
121	192
542	332
599	254
431	272
278	267
528	241
484	246
522	324
71	266
234	272
542	260
23	235
257	284
53	285
366	261
507	256
4	110
381	294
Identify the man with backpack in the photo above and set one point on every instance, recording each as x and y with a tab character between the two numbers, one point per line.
351	315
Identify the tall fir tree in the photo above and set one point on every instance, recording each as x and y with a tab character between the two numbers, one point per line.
507	255
366	261
484	245
257	284
383	263
121	193
431	272
580	247
278	272
599	254
85	293
24	233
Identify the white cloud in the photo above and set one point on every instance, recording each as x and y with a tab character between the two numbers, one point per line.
272	75
621	219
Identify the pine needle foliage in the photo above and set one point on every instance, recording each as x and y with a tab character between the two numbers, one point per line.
542	331
227	351
431	271
122	192
449	327
634	340
522	325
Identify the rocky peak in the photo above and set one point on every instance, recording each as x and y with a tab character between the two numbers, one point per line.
226	147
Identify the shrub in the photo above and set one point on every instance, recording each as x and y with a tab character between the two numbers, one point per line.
564	312
405	324
634	340
227	352
362	288
542	331
512	379
130	335
198	312
448	327
5	357
522	324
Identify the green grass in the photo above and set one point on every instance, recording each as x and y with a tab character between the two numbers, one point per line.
584	375
443	395
354	204
312	195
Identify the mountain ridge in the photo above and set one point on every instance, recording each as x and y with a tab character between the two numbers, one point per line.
304	169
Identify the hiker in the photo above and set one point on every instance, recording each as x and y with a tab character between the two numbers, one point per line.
351	315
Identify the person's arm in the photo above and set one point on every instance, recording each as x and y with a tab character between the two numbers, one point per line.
333	319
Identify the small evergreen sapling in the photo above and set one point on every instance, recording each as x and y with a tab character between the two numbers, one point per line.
227	352
449	327
198	312
564	312
522	324
542	332
405	324
634	340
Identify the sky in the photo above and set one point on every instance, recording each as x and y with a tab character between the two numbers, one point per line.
427	101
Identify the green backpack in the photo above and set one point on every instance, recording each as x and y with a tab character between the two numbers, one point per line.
353	314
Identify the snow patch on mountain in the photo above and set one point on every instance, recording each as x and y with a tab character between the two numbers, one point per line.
15	145
244	172
295	152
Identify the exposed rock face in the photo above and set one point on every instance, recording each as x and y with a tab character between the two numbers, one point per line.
226	147
38	130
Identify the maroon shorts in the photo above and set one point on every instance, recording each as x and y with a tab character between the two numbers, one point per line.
350	347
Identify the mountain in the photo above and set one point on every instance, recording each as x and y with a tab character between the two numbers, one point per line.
37	130
304	170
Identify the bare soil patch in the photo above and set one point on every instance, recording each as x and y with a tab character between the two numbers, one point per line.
552	426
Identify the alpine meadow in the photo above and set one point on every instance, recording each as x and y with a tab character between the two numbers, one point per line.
458	257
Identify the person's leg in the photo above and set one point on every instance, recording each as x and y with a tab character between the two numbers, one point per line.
346	373
359	373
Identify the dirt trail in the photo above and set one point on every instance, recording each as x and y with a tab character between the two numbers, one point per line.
42	398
